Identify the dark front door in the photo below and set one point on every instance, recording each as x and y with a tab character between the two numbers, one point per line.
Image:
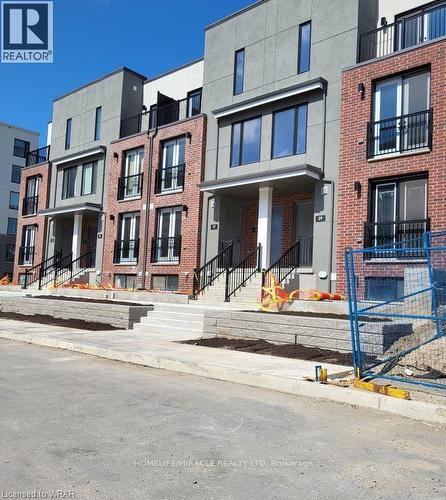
232	231
304	232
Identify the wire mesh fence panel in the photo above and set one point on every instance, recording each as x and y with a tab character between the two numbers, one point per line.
397	300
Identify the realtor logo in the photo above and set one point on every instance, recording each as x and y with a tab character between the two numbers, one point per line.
27	32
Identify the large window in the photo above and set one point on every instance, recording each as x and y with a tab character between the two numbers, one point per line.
171	176
304	47
239	71
68	134
89	175
14	198
28	242
167	244
16	174
290	131
21	148
128	243
69	182
245	144
12	226
130	184
97	124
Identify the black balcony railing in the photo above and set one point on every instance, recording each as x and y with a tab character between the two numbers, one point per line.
396	239
425	25
400	134
37	156
169	179
166	249
30	205
130	186
126	251
26	256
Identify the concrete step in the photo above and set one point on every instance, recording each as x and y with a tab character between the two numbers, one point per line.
166	329
172	323
175	316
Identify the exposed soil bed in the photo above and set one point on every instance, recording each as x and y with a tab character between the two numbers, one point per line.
295	351
323	315
87	299
49	320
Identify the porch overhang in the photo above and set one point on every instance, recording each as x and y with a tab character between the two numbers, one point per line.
82	155
300	178
71	209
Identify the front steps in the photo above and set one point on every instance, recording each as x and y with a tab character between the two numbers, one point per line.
248	294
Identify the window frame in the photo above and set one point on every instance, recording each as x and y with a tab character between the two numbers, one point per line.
65	170
20	173
97	123
237	52
68	130
26	148
9	251
301	71
295	107
7	229
13	207
190	96
166	276
93	186
242	124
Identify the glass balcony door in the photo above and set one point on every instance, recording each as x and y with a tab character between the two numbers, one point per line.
168	234
173	158
28	243
129	236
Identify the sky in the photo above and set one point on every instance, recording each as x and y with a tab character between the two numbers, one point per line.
95	37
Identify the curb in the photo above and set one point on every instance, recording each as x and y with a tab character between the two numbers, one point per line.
416	410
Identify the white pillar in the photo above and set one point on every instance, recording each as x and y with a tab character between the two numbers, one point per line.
264	225
77	236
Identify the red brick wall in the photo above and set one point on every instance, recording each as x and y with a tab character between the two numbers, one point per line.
191	197
356	112
44	169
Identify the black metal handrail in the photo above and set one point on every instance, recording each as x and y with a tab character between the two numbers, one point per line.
37	156
69	268
30	205
207	274
126	251
169	178
390	237
400	134
130	186
26	256
41	270
242	272
404	33
166	249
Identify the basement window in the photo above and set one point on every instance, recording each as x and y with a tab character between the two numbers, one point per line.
165	282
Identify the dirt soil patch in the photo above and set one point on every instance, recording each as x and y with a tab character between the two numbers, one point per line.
49	320
295	351
87	299
323	315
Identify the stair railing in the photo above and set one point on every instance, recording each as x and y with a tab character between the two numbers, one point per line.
39	271
237	277
70	268
207	274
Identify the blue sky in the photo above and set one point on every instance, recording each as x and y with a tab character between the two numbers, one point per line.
94	37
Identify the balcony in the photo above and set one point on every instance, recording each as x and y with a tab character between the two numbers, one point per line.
427	24
30	205
169	179
26	256
401	134
130	186
397	239
37	156
126	251
167	249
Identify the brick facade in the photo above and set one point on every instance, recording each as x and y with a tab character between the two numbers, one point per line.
44	171
190	197
355	114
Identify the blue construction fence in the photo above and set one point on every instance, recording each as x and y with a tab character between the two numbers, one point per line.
397	301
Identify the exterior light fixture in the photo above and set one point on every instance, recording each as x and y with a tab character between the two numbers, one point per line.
357	186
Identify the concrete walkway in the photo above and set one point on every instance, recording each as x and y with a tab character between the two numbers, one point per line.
268	372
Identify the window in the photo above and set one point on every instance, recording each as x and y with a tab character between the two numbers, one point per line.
89	174
21	148
14	197
194	103
97	124
10	252
290	131
304	47
69	182
28	242
171	176
16	174
12	226
416	27
128	244
31	201
384	288
68	134
167	244
239	71
130	185
245	144
125	281
165	282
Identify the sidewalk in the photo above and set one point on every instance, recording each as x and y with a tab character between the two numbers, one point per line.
268	372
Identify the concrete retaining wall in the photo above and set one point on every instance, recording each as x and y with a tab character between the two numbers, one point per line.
121	316
326	333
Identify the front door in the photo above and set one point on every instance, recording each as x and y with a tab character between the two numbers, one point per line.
232	231
276	233
304	213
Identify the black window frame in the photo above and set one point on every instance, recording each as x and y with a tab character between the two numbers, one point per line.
190	95
9	251
93	178
97	123
237	52
20	174
64	173
242	122
68	130
17	149
13	207
299	55
7	229
296	126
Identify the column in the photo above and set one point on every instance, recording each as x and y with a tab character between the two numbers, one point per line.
264	224
77	236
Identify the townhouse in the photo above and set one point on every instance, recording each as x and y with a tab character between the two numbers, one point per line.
392	153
